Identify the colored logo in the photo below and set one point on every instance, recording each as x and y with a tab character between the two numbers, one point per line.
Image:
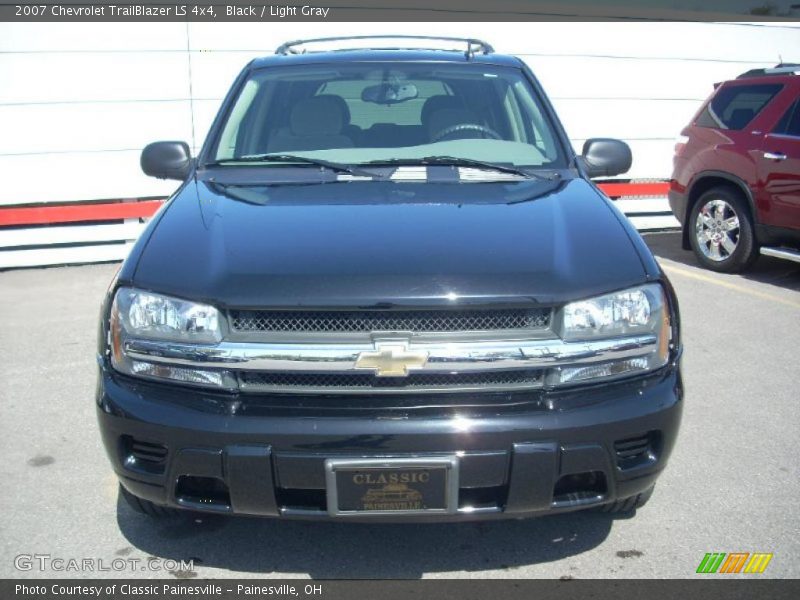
735	562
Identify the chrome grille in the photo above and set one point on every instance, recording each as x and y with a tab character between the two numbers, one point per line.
418	321
366	382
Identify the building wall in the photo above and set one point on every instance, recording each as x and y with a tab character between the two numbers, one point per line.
79	101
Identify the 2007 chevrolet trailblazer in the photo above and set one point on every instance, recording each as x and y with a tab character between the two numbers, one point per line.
387	290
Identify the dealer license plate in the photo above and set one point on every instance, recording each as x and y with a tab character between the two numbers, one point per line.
392	486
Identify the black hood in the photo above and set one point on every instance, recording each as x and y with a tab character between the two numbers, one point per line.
364	243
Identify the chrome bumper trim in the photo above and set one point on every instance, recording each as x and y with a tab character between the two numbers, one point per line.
341	358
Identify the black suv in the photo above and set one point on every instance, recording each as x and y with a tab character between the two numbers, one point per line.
388	290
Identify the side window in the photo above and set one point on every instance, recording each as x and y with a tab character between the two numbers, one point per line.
514	114
542	136
231	136
733	107
790	121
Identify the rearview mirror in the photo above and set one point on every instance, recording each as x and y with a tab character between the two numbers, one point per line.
389	93
167	160
604	157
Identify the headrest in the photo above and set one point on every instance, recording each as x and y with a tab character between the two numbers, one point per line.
320	115
436	103
341	103
447	117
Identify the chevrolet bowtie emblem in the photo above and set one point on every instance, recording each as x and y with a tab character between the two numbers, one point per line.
391	360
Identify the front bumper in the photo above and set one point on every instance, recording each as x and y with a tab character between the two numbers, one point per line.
569	450
677	204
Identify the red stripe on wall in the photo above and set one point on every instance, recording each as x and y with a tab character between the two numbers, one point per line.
653	188
43	215
46	215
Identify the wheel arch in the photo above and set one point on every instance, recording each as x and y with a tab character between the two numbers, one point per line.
703	182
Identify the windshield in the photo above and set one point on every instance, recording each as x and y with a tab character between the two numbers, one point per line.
368	113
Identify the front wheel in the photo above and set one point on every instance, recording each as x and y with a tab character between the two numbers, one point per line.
145	507
721	231
627	505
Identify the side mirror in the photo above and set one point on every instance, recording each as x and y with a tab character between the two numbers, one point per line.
167	160
604	157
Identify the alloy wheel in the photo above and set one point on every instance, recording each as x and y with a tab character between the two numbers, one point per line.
717	230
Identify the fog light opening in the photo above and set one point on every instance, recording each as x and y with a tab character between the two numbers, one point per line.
142	455
203	492
580	488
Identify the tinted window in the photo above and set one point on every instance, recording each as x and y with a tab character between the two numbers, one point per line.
790	121
733	107
365	114
362	112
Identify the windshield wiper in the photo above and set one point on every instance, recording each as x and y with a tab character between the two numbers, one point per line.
456	161
294	158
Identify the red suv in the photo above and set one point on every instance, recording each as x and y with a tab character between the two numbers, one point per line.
735	186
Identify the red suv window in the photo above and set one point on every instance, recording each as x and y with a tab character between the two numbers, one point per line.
733	107
790	121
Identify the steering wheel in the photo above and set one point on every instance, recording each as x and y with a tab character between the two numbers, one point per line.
466	127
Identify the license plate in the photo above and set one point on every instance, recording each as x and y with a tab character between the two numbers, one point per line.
392	486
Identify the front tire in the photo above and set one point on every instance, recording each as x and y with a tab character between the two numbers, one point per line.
145	507
721	231
626	505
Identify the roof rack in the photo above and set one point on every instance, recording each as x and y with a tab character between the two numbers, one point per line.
779	69
473	45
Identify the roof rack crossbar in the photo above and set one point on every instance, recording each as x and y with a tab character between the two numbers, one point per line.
779	69
473	45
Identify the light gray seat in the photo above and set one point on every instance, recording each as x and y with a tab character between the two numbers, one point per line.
314	124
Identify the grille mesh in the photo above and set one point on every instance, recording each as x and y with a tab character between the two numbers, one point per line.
366	321
338	382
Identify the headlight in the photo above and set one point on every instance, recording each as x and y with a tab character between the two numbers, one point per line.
136	314
157	317
636	312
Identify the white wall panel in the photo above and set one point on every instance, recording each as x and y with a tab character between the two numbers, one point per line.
654	40
77	176
263	38
91	37
204	113
729	42
642	205
70	234
626	119
81	127
610	77
214	72
64	256
652	223
97	76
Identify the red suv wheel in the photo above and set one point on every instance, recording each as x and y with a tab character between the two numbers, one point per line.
721	231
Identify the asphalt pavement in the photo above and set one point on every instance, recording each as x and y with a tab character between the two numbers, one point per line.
732	484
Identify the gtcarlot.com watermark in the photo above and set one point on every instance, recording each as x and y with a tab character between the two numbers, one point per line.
58	564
